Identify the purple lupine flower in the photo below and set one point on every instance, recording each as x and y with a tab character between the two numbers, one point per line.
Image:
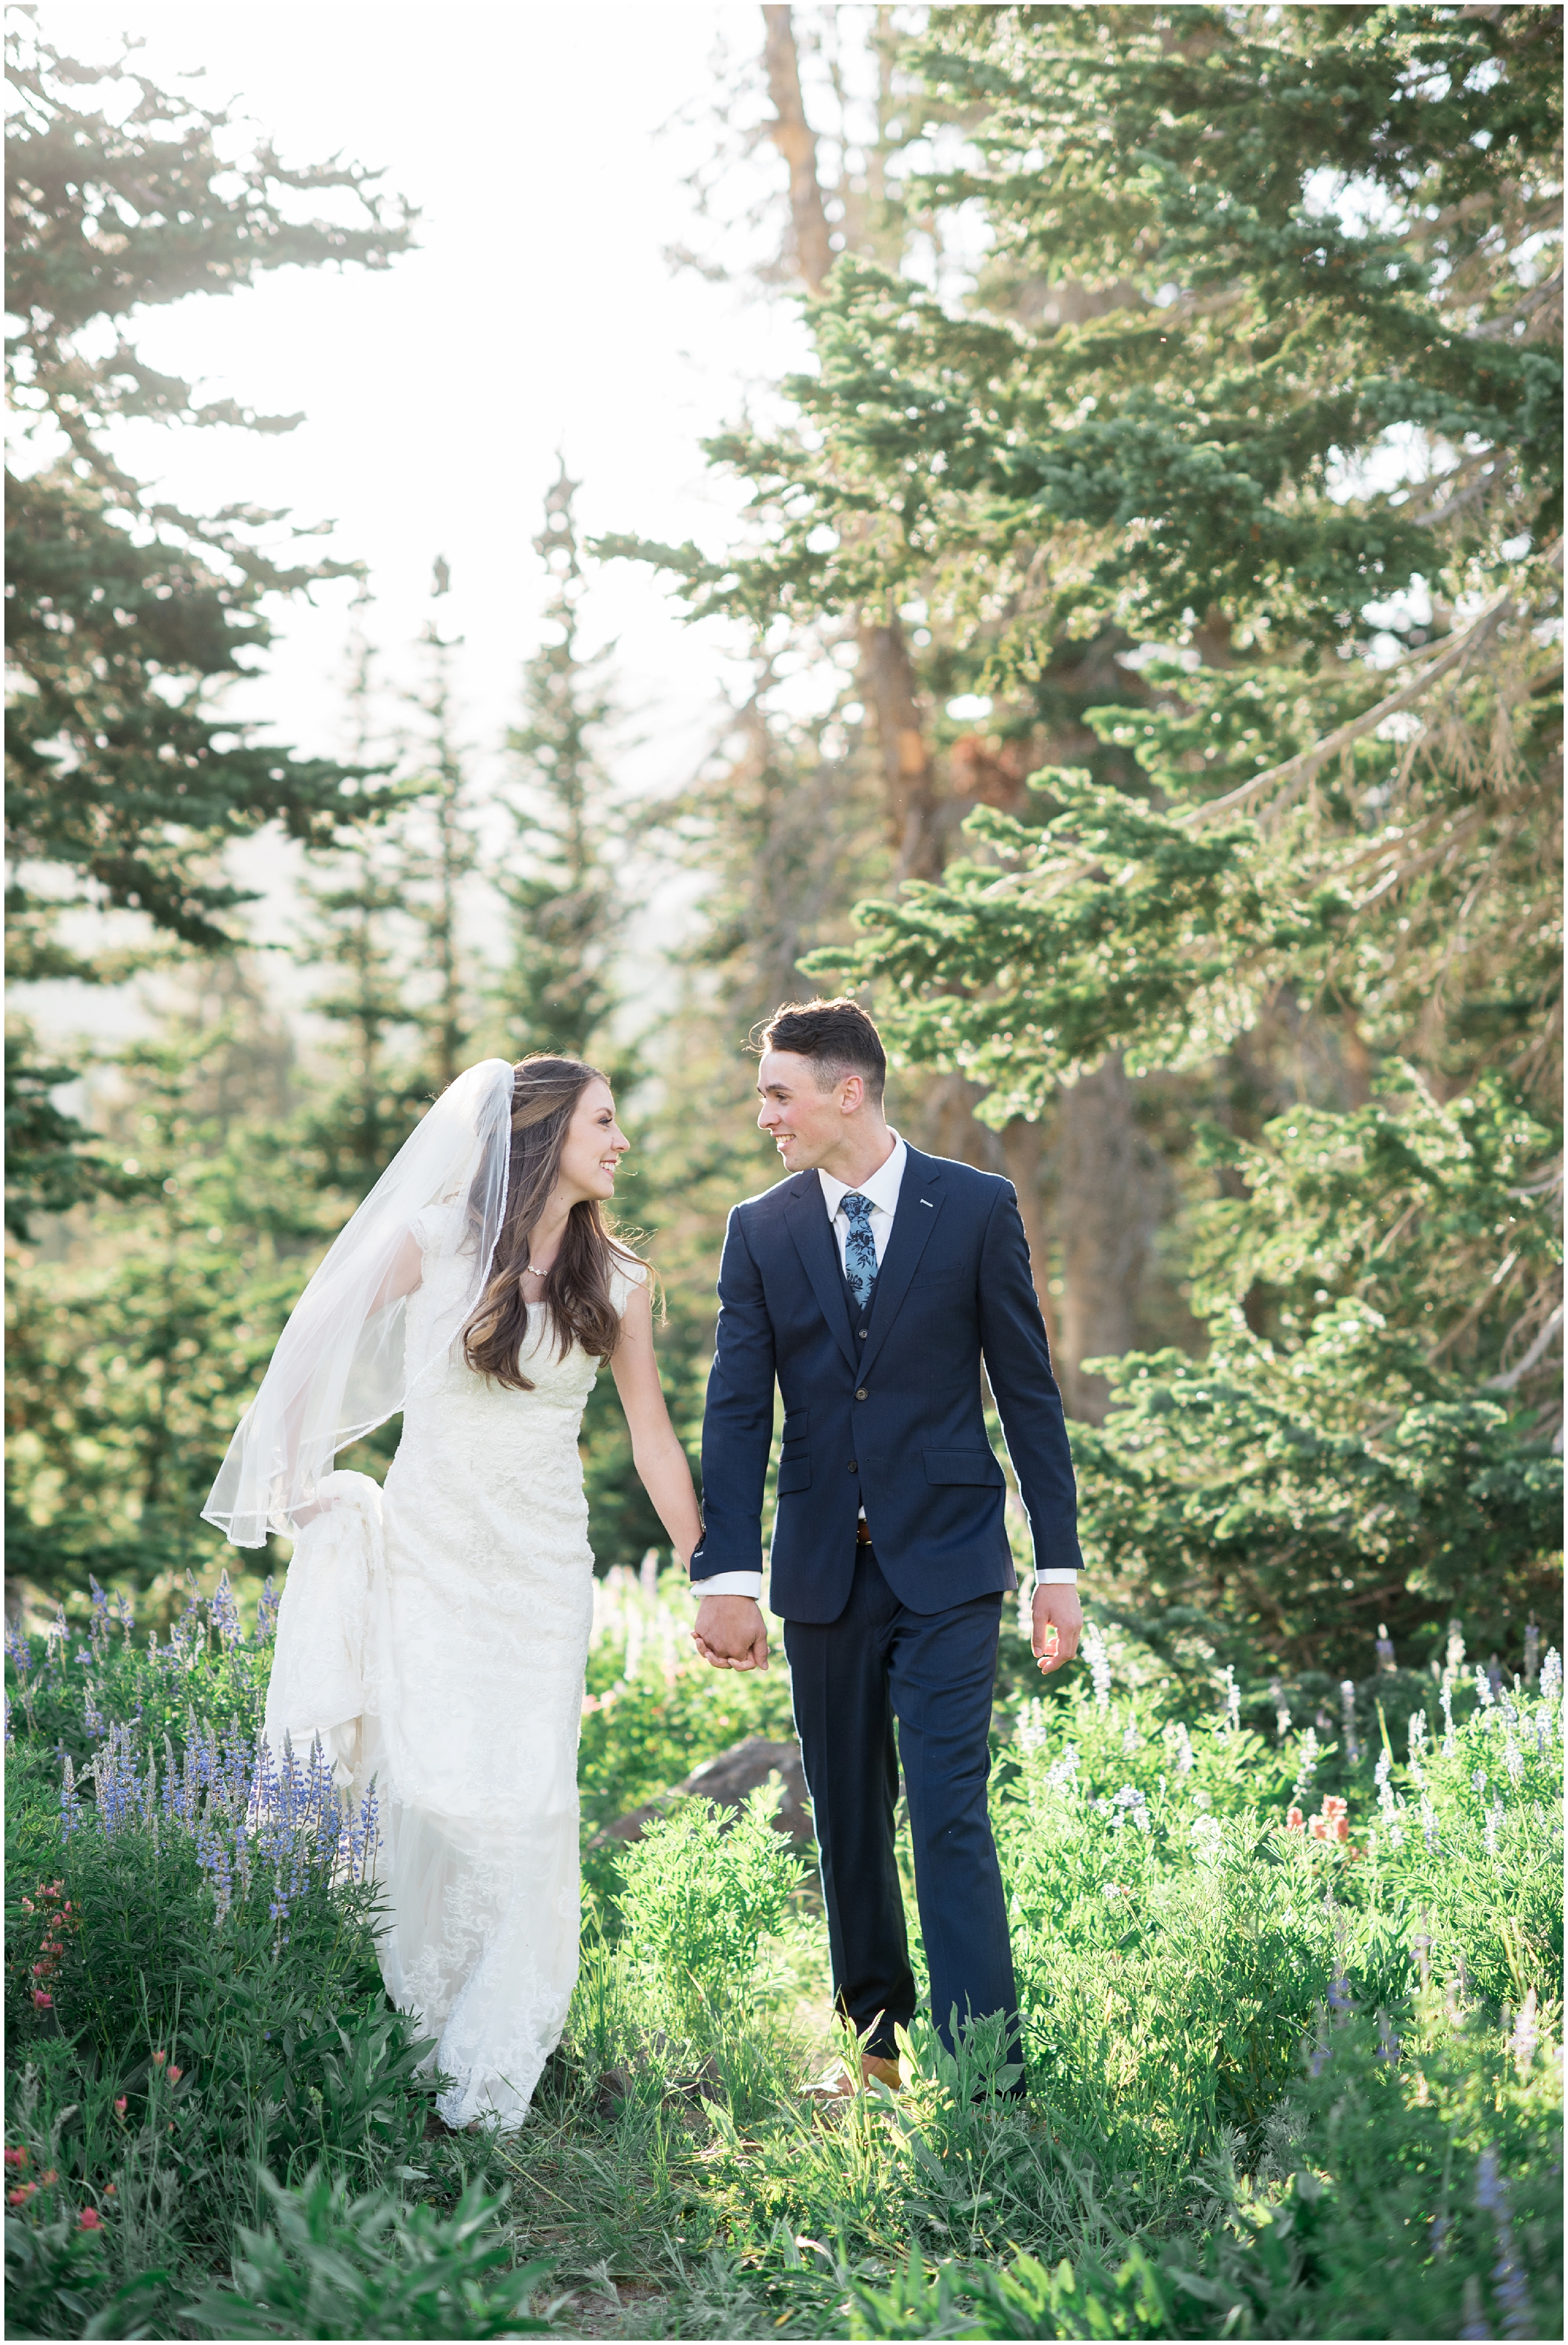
1388	1800
1429	1821
1388	2041
70	1802
1507	2278
1416	1736
1474	2318
1485	1693
1383	1649
1095	1653
98	1626
1133	1807
1322	2050
224	1613
1525	2036
1532	1650
1232	1701
266	1614
1445	1696
1348	1720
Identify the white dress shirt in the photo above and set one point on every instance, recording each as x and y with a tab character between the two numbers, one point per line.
880	1192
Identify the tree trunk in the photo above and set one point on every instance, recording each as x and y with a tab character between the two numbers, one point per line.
795	139
1022	1145
910	792
1109	1204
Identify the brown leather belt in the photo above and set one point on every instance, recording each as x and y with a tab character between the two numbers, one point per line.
862	1533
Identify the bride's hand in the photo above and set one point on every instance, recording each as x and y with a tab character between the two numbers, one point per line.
729	1632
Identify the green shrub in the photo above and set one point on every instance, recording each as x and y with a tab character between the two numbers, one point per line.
698	1893
330	2265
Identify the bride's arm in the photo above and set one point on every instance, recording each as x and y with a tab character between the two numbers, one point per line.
406	1272
660	1460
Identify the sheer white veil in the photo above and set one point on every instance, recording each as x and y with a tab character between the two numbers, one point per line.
353	1350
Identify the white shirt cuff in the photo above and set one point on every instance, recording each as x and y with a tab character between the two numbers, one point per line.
730	1583
1056	1579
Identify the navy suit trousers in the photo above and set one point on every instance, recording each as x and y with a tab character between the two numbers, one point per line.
934	1673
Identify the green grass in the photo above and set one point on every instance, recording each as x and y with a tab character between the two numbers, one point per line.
1279	2086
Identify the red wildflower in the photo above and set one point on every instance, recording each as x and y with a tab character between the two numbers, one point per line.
120	2107
174	2074
42	2002
1295	1820
50	2176
17	2157
159	2059
89	2219
19	2197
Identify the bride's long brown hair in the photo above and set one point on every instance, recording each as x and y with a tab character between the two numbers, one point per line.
577	1297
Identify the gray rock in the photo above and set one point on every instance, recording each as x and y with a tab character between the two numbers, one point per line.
728	1780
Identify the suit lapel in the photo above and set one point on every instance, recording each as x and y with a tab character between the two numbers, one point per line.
919	1205
813	1234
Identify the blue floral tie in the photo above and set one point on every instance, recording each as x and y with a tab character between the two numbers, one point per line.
860	1253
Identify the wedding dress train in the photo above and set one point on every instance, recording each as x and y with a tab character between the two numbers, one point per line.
434	1634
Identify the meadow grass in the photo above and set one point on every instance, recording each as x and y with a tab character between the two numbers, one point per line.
1292	2008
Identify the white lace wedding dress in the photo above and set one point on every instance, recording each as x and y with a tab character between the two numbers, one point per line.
437	1643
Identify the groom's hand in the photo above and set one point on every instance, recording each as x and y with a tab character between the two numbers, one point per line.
1058	1621
731	1633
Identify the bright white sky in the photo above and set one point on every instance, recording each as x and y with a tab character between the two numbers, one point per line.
538	313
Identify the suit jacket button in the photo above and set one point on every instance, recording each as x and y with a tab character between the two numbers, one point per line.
861	1394
852	1466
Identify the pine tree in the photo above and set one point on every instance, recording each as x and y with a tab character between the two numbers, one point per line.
132	1351
122	609
565	914
439	856
1240	260
358	893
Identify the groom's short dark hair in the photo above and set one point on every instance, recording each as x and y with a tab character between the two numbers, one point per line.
837	1036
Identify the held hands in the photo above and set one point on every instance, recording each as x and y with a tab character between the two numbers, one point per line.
1059	1620
731	1633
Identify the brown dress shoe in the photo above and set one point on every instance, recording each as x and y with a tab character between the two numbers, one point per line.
839	2084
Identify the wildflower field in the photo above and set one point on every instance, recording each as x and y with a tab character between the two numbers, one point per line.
1291	1982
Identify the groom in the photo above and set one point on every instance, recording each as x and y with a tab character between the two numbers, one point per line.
872	1285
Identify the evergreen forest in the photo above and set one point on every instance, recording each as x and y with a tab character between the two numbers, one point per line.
1152	594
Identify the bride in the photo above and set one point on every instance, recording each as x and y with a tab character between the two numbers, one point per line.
433	1633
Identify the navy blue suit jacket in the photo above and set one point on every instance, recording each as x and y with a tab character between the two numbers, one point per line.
894	1421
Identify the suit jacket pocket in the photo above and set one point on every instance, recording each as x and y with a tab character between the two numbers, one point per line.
964	1465
794	1474
795	1423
